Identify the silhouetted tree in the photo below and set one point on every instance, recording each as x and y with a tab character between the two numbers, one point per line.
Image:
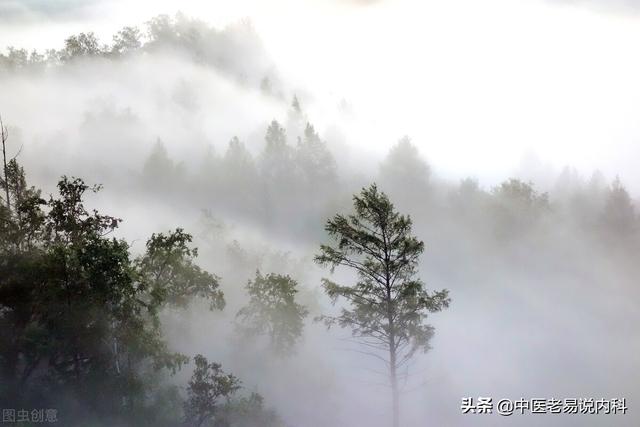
295	119
207	387
517	207
619	216
81	45
276	156
315	161
278	172
388	305
404	170
4	136
295	105
239	177
126	40
160	30
168	270
160	171
273	310
247	412
212	400
78	316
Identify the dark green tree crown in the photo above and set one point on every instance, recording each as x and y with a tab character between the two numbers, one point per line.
388	303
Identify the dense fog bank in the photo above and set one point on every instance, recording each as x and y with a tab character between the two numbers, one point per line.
192	127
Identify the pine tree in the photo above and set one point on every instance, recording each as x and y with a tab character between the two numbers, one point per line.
388	305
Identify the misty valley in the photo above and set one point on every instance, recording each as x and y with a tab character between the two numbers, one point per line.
189	236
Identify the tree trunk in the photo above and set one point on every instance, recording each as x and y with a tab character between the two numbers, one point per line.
3	137
393	368
394	386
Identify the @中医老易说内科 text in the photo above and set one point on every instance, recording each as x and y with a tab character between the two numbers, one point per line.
522	406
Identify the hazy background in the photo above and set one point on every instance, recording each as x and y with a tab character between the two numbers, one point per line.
476	84
544	298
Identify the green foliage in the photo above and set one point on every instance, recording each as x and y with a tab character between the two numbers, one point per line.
247	412
388	303
21	220
81	45
168	270
78	317
207	387
212	400
272	309
521	194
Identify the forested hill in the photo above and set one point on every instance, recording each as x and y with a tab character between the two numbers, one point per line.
235	50
198	143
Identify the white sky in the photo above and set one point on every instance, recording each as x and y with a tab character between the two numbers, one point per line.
475	83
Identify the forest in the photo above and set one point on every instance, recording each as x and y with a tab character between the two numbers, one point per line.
191	247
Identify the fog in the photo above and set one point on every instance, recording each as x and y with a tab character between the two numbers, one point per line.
518	169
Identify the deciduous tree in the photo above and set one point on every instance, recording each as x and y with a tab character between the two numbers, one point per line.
272	310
